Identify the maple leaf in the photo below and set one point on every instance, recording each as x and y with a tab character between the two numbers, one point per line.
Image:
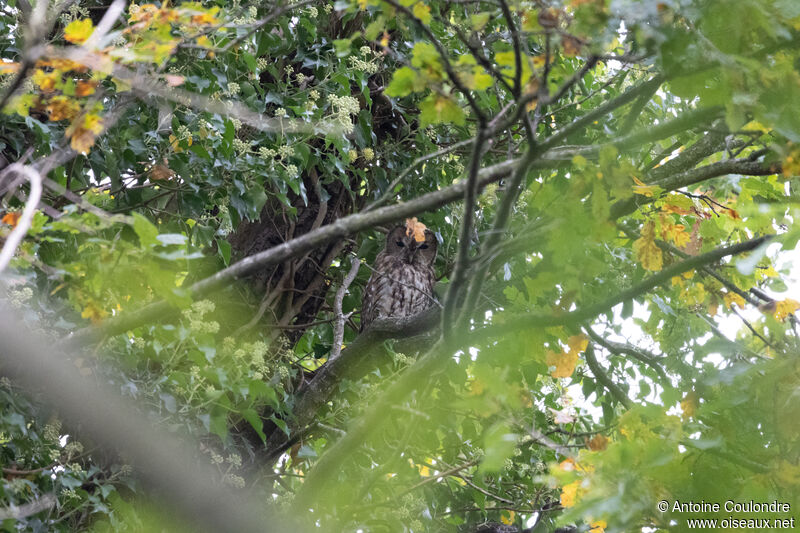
647	253
78	31
417	229
785	308
597	443
11	218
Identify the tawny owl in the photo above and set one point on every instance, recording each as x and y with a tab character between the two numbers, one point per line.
402	278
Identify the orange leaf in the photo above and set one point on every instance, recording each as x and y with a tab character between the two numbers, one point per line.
7	68
62	108
85	88
11	218
417	229
597	443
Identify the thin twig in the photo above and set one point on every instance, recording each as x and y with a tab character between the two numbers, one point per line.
340	318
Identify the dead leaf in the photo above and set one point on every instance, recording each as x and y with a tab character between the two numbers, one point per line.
415	228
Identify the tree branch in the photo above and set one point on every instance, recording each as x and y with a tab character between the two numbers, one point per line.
339	318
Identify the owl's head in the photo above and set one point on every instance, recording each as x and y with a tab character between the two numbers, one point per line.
406	248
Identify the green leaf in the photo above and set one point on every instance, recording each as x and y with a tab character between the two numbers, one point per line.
147	232
499	445
255	422
403	83
436	109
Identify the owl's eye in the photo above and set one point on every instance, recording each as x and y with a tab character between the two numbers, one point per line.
400	244
423	246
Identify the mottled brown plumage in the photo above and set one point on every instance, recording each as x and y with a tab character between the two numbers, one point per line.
402	278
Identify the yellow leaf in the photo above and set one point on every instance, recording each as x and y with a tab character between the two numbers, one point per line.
563	362
508	517
731	298
417	229
569	494
647	253
83	132
94	313
642	188
422	12
62	108
689	405
46	81
578	343
204	41
424	471
598	526
476	387
787	474
675	232
785	308
78	31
